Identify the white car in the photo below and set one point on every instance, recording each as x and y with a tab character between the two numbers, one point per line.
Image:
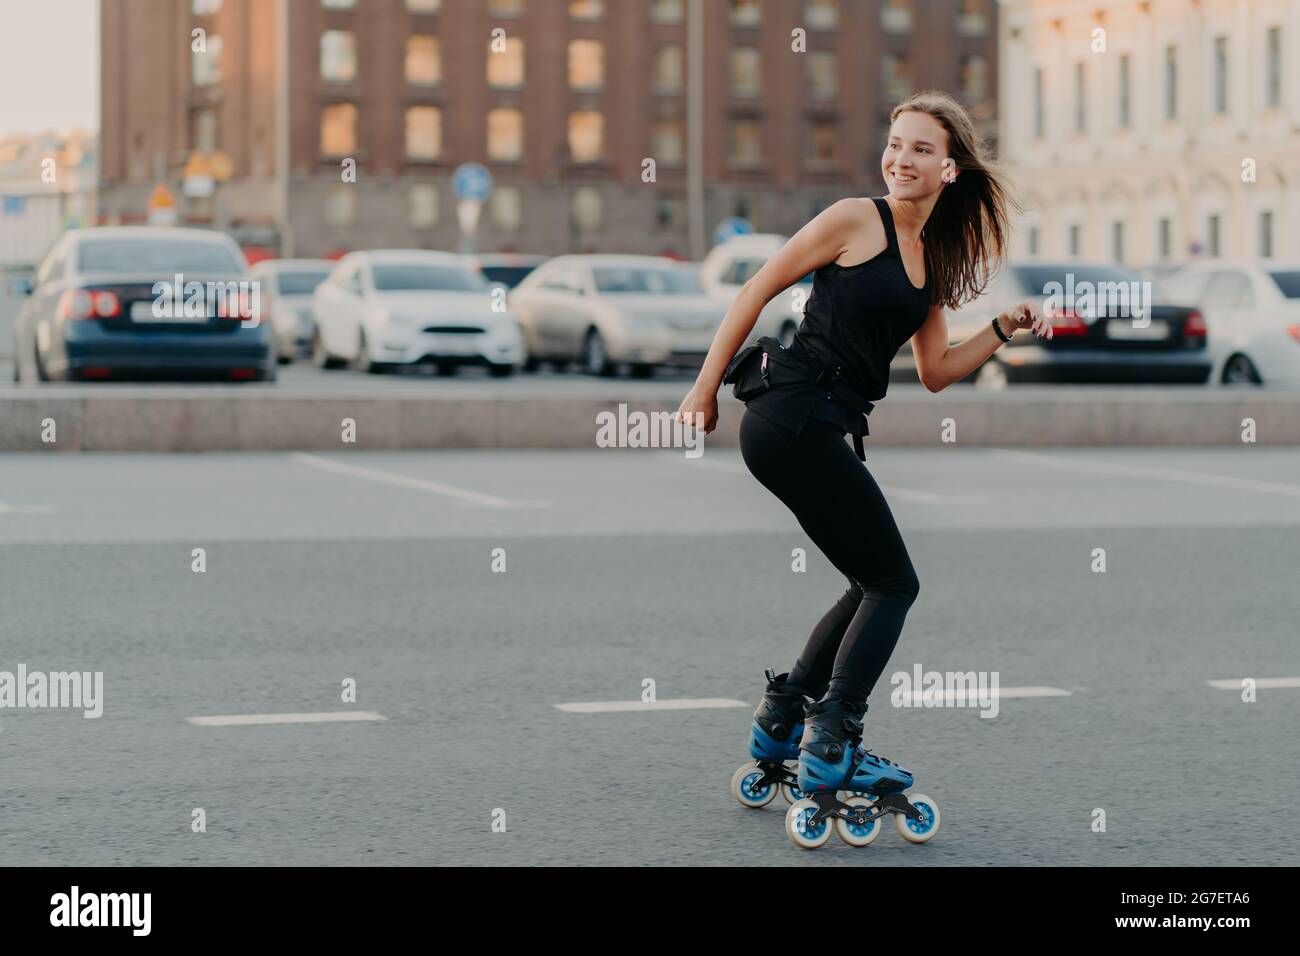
1252	312
729	265
287	287
603	310
393	307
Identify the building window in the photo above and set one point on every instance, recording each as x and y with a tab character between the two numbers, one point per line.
821	14
203	8
586	64
423	132
586	136
896	16
1221	74
1273	79
745	145
1076	238
668	140
1124	117
586	209
668	69
505	68
974	78
423	61
1117	241
1039	124
668	212
422	205
507	207
338	56
1213	230
505	132
205	66
586	9
1166	239
1171	82
1033	240
745	13
1266	235
1080	118
338	129
823	141
821	74
341	204
424	6
338	4
896	77
666	11
744	72
506	9
203	131
972	19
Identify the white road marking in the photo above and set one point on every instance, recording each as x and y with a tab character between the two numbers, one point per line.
406	481
1149	471
905	494
243	720
684	703
1234	683
1002	693
7	509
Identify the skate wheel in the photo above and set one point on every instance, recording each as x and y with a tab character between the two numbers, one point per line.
791	791
742	787
797	829
914	831
858	834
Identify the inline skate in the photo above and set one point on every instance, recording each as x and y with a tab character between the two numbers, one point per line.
831	759
773	740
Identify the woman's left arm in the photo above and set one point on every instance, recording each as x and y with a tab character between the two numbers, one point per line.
939	364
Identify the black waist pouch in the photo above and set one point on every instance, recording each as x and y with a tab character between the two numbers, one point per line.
749	372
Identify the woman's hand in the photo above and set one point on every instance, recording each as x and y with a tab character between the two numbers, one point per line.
699	401
1025	316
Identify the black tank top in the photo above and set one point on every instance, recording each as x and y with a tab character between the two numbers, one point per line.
857	317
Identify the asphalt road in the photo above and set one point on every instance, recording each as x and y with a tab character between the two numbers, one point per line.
623	565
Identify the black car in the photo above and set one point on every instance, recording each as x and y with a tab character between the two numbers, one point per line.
127	302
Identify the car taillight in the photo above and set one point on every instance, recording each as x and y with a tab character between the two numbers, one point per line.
1065	322
77	304
1293	331
1195	324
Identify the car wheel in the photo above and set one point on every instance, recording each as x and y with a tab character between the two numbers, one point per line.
269	374
1240	370
500	370
561	364
284	359
595	360
320	356
992	377
446	368
642	370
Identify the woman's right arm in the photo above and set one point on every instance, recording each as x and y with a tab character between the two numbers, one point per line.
820	241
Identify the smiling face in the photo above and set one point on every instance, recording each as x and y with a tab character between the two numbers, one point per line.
912	164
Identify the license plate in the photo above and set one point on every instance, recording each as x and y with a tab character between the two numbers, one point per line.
456	344
1125	329
143	312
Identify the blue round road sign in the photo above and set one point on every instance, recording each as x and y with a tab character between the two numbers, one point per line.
472	181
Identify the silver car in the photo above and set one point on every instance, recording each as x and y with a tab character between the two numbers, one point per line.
287	287
606	310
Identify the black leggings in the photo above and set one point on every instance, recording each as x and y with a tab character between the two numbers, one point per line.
840	507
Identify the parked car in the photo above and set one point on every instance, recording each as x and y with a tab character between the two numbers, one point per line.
117	302
508	268
287	287
384	308
1093	341
729	265
606	310
1252	310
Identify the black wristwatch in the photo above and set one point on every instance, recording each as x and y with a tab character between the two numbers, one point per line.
998	329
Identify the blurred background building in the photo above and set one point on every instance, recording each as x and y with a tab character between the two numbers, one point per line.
1135	152
249	122
47	184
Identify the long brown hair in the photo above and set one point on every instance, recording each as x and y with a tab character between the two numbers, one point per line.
967	233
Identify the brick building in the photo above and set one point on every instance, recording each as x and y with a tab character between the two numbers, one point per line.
563	100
